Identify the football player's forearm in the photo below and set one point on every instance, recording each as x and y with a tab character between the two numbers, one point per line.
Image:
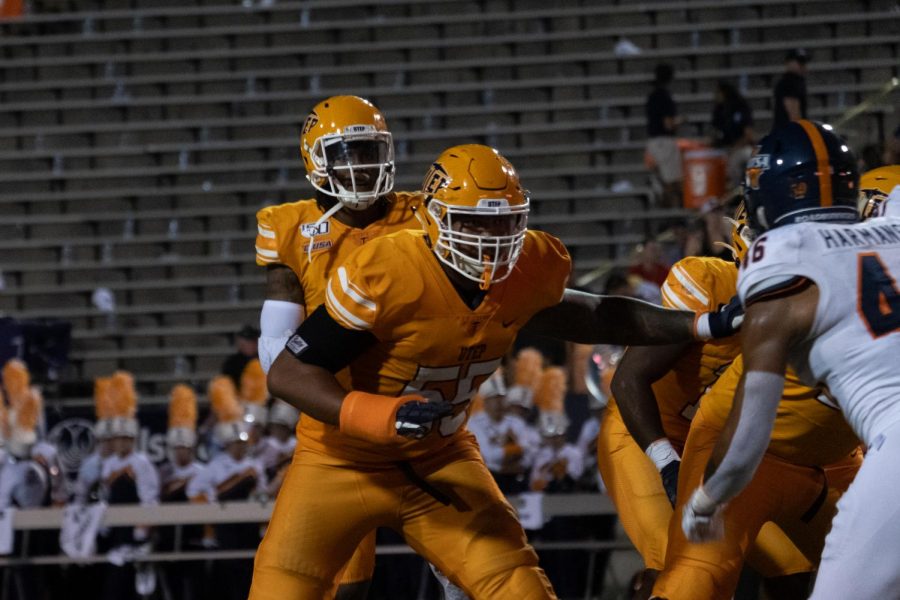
310	389
630	322
632	387
637	403
591	319
745	438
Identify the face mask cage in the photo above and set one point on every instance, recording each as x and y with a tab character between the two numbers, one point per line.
355	168
871	204
481	243
742	237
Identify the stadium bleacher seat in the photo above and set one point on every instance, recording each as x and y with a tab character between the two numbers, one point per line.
137	142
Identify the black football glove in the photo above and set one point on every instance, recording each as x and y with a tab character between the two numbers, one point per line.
415	419
726	321
669	476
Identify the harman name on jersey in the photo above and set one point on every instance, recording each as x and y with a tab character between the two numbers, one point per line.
429	341
855	340
285	232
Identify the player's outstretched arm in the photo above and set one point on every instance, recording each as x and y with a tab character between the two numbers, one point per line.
772	328
632	386
591	319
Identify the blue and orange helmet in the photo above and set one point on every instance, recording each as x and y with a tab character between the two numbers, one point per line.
801	172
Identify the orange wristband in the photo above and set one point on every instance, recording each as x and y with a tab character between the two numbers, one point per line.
373	417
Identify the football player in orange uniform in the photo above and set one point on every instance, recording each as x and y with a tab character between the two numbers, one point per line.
348	153
412	324
656	392
810	462
874	188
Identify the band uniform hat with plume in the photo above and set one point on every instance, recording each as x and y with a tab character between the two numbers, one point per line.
493	386
254	393
4	423
230	424
553	423
25	408
182	417
282	413
103	408
527	374
123	398
550	394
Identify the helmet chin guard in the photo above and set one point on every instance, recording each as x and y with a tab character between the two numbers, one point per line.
486	259
356	168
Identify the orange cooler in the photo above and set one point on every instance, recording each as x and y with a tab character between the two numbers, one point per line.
10	9
704	176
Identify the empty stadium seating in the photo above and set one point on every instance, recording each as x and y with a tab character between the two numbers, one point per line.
137	143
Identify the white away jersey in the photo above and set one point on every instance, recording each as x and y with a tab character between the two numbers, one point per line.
854	345
891	207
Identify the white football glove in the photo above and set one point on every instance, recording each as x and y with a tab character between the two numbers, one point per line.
702	519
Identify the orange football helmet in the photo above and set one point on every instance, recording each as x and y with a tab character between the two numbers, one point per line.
874	188
476	213
348	151
741	234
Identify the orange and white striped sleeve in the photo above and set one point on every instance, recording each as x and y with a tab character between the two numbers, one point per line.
347	299
689	286
266	238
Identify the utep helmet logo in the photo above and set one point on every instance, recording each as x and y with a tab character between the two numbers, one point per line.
756	166
311	121
436	178
309	230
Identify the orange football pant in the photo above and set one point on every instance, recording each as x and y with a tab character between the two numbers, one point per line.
362	564
799	499
327	506
635	487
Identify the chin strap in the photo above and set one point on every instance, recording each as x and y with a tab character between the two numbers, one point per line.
424	223
312	238
485	282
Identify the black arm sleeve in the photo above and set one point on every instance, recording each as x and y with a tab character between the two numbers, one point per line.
323	342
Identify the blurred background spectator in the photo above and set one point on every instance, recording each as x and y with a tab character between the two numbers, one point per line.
663	155
732	130
790	90
892	148
245	342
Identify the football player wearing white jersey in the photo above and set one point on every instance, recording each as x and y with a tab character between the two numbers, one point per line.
820	293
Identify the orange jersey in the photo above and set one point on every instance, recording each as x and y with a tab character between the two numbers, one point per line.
695	284
429	341
284	233
806	432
